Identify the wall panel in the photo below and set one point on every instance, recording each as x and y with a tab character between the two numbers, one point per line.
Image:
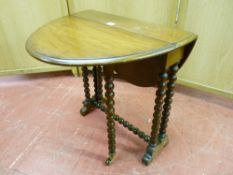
156	11
18	19
211	63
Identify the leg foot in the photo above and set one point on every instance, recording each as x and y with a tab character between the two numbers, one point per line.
86	109
110	159
152	151
148	156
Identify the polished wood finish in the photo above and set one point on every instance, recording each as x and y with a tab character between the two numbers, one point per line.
145	71
109	95
148	157
87	106
97	74
140	53
123	122
132	128
168	100
76	40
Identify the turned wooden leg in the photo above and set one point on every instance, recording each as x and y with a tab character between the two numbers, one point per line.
167	101
148	156
87	106
109	94
97	73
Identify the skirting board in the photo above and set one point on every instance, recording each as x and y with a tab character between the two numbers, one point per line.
205	88
32	70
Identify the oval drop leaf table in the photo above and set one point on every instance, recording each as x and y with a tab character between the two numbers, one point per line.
143	54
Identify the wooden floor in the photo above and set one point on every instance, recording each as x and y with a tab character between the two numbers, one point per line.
42	132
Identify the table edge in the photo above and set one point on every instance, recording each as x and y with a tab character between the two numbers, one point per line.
108	60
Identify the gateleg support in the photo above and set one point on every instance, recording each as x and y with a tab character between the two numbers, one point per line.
87	104
168	100
153	144
110	111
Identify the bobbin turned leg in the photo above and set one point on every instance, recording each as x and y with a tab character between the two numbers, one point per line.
97	73
167	101
87	105
109	94
148	156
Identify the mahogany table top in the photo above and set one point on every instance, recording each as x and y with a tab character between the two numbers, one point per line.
96	38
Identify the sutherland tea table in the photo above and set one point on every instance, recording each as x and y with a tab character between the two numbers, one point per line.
143	54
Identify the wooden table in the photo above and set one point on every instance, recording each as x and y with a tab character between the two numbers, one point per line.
138	52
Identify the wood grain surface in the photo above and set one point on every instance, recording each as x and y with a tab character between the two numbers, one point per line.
210	66
92	37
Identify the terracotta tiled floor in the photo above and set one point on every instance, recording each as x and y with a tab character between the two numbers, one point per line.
42	132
